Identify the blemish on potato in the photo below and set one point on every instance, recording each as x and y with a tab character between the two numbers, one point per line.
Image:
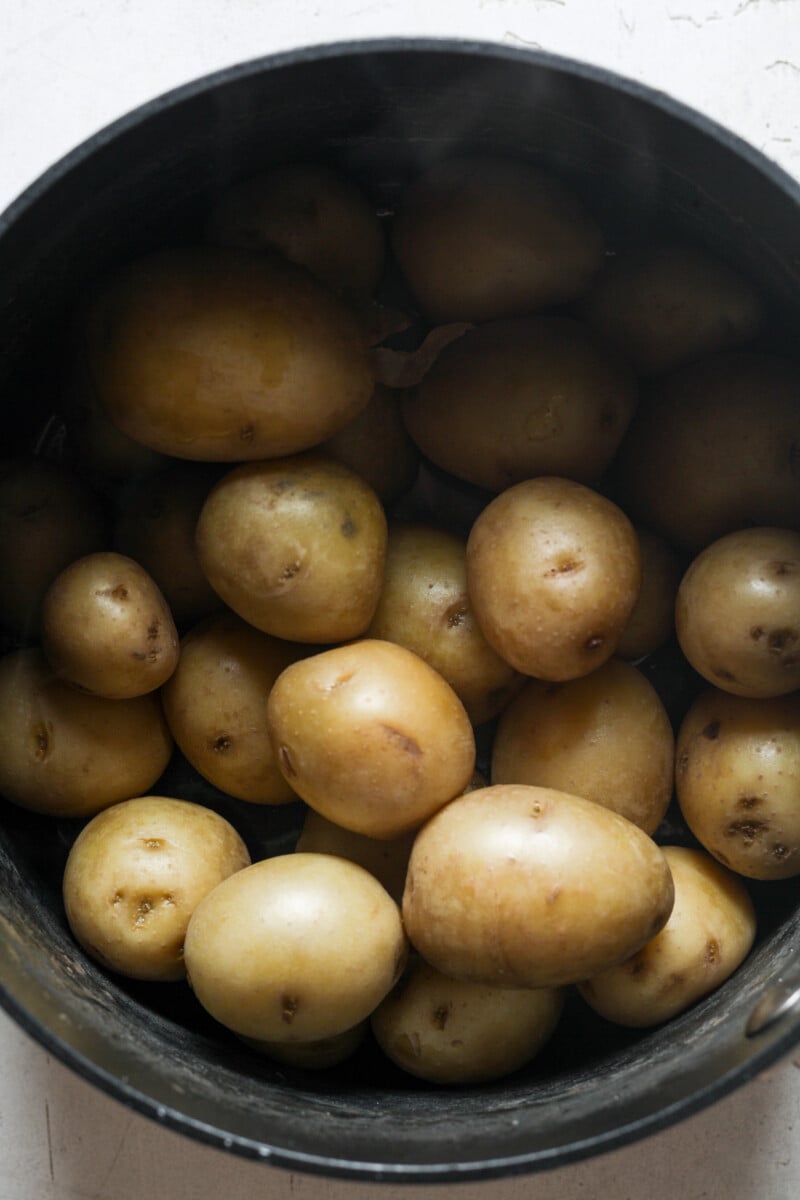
711	731
247	432
41	743
637	965
405	743
120	592
289	571
756	632
221	743
348	527
779	639
285	760
456	615
682	764
723	673
152	630
748	801
567	567
748	830
782	567
143	908
440	1016
153	843
779	851
712	954
594	642
289	1007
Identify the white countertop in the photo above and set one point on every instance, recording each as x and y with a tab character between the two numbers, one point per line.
67	69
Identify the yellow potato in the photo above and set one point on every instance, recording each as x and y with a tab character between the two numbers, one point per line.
605	736
450	1031
385	858
136	873
651	623
318	1055
708	935
295	948
371	737
518	886
69	754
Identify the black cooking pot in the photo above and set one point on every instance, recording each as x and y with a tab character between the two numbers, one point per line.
381	110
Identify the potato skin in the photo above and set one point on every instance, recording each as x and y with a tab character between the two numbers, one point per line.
708	935
371	737
605	736
450	1031
136	873
737	612
533	396
376	445
518	886
295	948
385	858
224	356
737	777
296	547
553	571
69	754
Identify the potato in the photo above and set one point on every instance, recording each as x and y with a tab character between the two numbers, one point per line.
296	547
69	754
450	1031
737	612
48	518
605	736
553	571
313	214
518	886
480	238
219	355
651	623
664	305
737	777
216	707
135	875
295	948
425	607
708	935
385	858
319	1055
106	628
518	398
714	449
155	525
376	446
371	737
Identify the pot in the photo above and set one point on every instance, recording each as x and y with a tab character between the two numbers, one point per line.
381	110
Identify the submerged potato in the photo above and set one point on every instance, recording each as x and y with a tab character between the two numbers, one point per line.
708	935
295	948
371	737
450	1031
512	399
480	238
219	355
737	613
296	547
135	875
553	570
738	779
605	736
70	754
518	886
106	628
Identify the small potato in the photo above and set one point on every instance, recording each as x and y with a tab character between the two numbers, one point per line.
216	707
69	754
651	623
319	1055
48	518
449	1031
385	858
106	628
480	238
737	612
425	607
219	355
708	935
513	399
296	547
665	305
313	214
295	948
605	736
553	571
737	777
518	886
376	446
371	737
135	875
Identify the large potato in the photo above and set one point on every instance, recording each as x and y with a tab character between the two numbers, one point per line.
135	875
605	736
296	547
371	737
737	777
294	948
480	238
70	754
708	935
518	886
518	398
553	570
221	355
737	612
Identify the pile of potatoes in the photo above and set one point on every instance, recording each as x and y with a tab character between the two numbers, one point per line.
345	553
